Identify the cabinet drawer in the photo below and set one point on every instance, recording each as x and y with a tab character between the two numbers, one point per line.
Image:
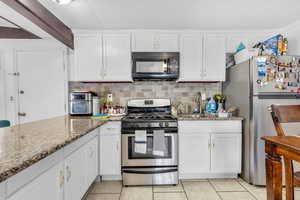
210	126
110	128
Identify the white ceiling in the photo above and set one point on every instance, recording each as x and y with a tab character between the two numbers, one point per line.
177	14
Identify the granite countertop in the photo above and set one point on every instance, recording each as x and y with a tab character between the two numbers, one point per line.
23	145
199	117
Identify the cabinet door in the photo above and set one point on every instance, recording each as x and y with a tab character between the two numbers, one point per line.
48	186
144	41
75	185
226	153
88	58
117	57
167	42
191	52
214	64
110	155
194	153
91	155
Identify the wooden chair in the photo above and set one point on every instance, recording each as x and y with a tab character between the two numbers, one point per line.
287	114
4	123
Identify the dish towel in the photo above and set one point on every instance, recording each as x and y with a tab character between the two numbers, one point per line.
140	141
159	145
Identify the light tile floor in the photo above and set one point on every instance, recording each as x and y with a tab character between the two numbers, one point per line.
212	189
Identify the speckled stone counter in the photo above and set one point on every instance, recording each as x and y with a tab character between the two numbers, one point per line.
198	117
23	145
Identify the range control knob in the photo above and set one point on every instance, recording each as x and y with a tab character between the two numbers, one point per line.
167	124
161	124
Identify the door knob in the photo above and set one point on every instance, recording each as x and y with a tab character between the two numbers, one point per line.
21	114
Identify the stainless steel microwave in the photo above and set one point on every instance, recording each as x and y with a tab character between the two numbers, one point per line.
80	103
155	65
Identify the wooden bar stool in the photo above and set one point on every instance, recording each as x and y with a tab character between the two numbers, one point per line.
4	123
287	114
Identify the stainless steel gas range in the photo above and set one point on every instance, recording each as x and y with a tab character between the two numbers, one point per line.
141	163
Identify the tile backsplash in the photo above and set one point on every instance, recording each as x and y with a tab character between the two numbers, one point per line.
178	92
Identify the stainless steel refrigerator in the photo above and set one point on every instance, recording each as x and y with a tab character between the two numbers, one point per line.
253	86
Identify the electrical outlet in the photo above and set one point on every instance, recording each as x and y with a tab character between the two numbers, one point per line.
110	97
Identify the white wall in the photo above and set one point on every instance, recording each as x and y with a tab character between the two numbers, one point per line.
8	83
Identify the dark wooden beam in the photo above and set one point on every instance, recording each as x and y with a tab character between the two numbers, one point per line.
16	33
42	17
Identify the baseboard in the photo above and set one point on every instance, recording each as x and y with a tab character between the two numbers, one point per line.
111	177
208	175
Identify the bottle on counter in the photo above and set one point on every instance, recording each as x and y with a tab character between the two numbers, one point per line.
285	46
211	106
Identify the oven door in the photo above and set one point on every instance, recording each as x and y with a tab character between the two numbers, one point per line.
81	107
130	158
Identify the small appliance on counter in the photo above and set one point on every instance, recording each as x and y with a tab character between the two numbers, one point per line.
81	103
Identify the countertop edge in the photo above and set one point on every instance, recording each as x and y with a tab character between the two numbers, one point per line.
39	156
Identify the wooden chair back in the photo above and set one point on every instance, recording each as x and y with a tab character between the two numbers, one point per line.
284	114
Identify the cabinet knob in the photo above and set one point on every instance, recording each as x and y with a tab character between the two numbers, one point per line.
22	114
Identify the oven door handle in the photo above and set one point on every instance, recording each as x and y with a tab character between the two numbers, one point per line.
149	172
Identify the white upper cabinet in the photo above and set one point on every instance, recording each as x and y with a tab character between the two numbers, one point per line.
155	42
88	58
191	57
214	59
116	57
103	57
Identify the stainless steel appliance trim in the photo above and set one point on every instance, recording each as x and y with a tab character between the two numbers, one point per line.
149	162
136	178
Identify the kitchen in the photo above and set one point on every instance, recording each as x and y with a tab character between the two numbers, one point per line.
167	117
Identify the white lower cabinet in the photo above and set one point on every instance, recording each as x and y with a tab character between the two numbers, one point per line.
75	175
207	151
91	163
67	180
110	150
194	153
226	153
48	186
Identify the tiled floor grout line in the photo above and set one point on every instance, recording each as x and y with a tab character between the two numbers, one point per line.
184	190
121	191
247	190
212	185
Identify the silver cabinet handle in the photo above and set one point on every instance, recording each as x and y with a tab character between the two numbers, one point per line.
21	114
68	173
62	179
208	144
14	74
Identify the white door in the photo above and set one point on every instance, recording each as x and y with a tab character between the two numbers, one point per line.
167	42
214	59
91	155
42	84
194	154
117	57
75	175
143	41
226	153
3	107
88	58
48	186
191	52
110	155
